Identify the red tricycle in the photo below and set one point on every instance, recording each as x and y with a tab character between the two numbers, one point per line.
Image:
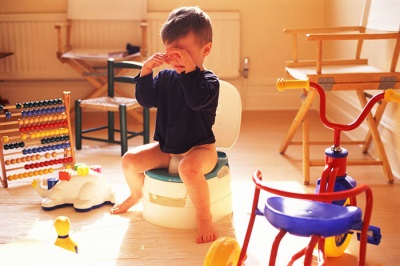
329	217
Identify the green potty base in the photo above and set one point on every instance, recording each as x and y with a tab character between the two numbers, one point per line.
166	203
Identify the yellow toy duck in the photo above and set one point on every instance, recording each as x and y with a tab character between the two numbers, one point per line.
63	225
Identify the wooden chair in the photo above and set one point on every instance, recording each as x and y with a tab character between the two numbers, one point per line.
111	105
380	22
86	50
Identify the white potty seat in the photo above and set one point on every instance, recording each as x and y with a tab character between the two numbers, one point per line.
166	202
165	199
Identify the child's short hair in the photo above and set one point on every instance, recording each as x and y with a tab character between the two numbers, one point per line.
183	20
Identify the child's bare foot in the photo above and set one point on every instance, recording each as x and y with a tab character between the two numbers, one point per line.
206	233
124	206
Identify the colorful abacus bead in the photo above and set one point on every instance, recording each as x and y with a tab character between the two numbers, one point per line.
14	145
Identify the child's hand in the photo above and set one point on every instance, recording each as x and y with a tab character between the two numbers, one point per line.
180	60
153	61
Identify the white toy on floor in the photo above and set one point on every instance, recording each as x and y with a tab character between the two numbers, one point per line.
83	188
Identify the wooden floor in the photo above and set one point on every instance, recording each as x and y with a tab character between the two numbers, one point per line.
257	148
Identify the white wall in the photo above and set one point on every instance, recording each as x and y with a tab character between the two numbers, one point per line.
262	40
345	104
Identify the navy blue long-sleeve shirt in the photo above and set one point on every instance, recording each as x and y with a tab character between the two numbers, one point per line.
186	107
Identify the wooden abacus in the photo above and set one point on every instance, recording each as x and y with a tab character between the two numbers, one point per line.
35	138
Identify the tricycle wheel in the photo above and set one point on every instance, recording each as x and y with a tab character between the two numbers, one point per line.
225	251
335	246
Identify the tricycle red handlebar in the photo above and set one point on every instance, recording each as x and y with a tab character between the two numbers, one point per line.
388	95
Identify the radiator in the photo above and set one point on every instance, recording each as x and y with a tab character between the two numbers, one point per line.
33	40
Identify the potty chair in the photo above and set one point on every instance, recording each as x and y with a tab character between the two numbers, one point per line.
165	198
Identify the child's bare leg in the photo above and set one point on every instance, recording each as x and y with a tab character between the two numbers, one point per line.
197	162
134	163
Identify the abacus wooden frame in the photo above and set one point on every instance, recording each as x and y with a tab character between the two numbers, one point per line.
4	169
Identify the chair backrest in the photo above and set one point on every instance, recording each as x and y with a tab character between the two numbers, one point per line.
107	9
114	67
382	15
107	24
228	118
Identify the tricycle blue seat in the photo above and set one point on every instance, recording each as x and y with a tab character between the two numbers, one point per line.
306	218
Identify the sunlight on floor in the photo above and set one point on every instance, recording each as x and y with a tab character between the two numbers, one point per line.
93	237
43	231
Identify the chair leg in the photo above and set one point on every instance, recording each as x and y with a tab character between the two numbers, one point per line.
123	129
305	106
373	128
78	125
111	126
146	125
275	247
377	117
301	119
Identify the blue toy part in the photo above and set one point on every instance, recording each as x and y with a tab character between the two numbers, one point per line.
76	208
306	218
51	182
163	175
374	234
342	183
333	153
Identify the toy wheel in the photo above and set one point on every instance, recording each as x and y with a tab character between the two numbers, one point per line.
225	251
336	245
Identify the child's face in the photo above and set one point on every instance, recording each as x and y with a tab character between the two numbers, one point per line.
186	51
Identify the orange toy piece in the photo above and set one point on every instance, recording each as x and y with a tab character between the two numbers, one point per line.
65	175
